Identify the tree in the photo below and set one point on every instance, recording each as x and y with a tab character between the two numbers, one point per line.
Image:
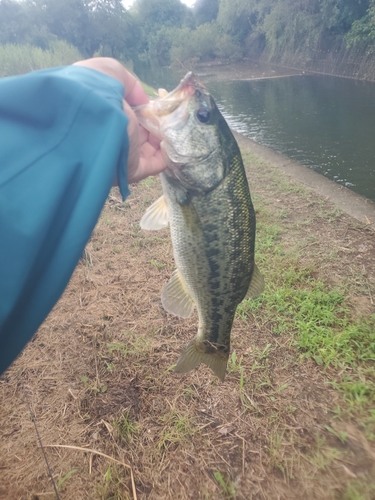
20	24
338	16
205	11
114	29
69	20
238	18
153	15
362	32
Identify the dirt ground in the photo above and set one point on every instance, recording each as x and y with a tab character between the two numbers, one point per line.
96	389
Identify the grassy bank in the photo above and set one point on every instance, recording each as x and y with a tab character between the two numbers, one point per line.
293	419
319	310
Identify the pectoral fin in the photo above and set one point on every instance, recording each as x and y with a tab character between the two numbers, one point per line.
256	286
175	297
156	216
193	355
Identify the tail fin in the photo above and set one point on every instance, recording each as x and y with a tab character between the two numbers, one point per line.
193	356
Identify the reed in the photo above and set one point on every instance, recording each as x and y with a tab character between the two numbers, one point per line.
19	59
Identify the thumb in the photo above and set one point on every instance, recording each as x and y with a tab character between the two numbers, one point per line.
134	142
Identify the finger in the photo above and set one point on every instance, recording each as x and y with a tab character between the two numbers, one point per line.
143	134
154	141
146	136
133	134
134	93
151	166
147	150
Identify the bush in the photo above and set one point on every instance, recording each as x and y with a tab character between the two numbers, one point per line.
227	48
19	59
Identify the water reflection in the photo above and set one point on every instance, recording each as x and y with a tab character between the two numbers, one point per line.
158	77
325	123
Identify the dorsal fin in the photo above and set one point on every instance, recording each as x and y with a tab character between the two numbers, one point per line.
256	286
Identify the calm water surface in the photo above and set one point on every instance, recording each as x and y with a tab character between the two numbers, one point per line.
326	123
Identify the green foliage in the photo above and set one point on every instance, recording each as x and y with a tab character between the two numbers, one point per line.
362	31
102	26
68	20
204	43
339	15
227	48
237	18
19	59
20	23
151	16
205	11
165	31
113	30
182	45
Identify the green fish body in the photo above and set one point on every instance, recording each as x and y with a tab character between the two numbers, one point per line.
207	202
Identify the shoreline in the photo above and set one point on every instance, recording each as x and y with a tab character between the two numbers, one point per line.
353	204
265	68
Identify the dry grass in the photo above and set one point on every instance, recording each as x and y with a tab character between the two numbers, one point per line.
98	376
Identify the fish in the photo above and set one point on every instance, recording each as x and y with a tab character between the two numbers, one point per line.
206	201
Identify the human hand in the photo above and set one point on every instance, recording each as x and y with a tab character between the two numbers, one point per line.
144	156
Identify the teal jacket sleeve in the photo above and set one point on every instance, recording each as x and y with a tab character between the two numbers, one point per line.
63	139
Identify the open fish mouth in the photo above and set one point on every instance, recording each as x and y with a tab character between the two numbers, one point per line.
170	110
186	88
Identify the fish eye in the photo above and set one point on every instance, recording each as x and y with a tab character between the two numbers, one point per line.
203	115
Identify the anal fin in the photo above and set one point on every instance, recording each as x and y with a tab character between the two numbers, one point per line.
175	297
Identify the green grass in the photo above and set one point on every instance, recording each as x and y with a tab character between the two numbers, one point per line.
322	327
113	485
157	264
134	346
227	486
359	490
318	320
176	428
125	427
61	481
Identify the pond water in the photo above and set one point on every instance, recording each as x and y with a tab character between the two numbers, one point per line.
325	123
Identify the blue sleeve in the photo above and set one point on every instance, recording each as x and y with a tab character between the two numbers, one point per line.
63	139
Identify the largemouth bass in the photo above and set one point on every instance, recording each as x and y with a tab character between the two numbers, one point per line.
207	203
